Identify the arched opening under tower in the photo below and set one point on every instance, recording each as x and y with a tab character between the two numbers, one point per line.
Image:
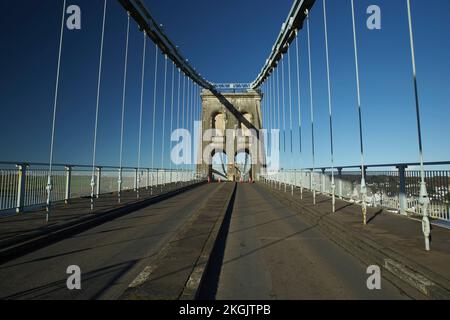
243	165
219	166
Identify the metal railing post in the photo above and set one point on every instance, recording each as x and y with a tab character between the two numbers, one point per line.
340	182
152	181
322	187
279	181
119	184
99	181
157	178
21	181
403	202
293	181
68	183
136	177
301	184
364	194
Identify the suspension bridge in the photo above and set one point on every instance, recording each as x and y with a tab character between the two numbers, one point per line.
237	212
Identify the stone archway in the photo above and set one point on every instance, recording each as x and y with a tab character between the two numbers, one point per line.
243	165
219	165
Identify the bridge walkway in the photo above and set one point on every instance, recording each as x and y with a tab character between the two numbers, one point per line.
273	253
17	228
390	240
110	255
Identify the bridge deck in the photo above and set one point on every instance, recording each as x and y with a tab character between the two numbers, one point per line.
33	221
399	234
268	248
110	256
272	253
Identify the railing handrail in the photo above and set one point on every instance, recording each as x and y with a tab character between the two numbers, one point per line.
386	165
396	189
43	164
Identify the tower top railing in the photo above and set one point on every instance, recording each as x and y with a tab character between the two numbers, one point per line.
232	87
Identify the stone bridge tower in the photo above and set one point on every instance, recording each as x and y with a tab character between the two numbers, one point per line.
217	114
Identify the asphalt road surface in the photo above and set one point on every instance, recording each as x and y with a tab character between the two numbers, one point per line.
271	253
110	256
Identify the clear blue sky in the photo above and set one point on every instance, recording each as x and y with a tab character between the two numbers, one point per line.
227	41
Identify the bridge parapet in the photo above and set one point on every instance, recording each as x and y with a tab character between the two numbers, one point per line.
392	186
23	185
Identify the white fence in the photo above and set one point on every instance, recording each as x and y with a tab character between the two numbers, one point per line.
23	186
395	189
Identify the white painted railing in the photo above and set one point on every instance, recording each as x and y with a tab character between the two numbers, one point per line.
24	185
396	189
